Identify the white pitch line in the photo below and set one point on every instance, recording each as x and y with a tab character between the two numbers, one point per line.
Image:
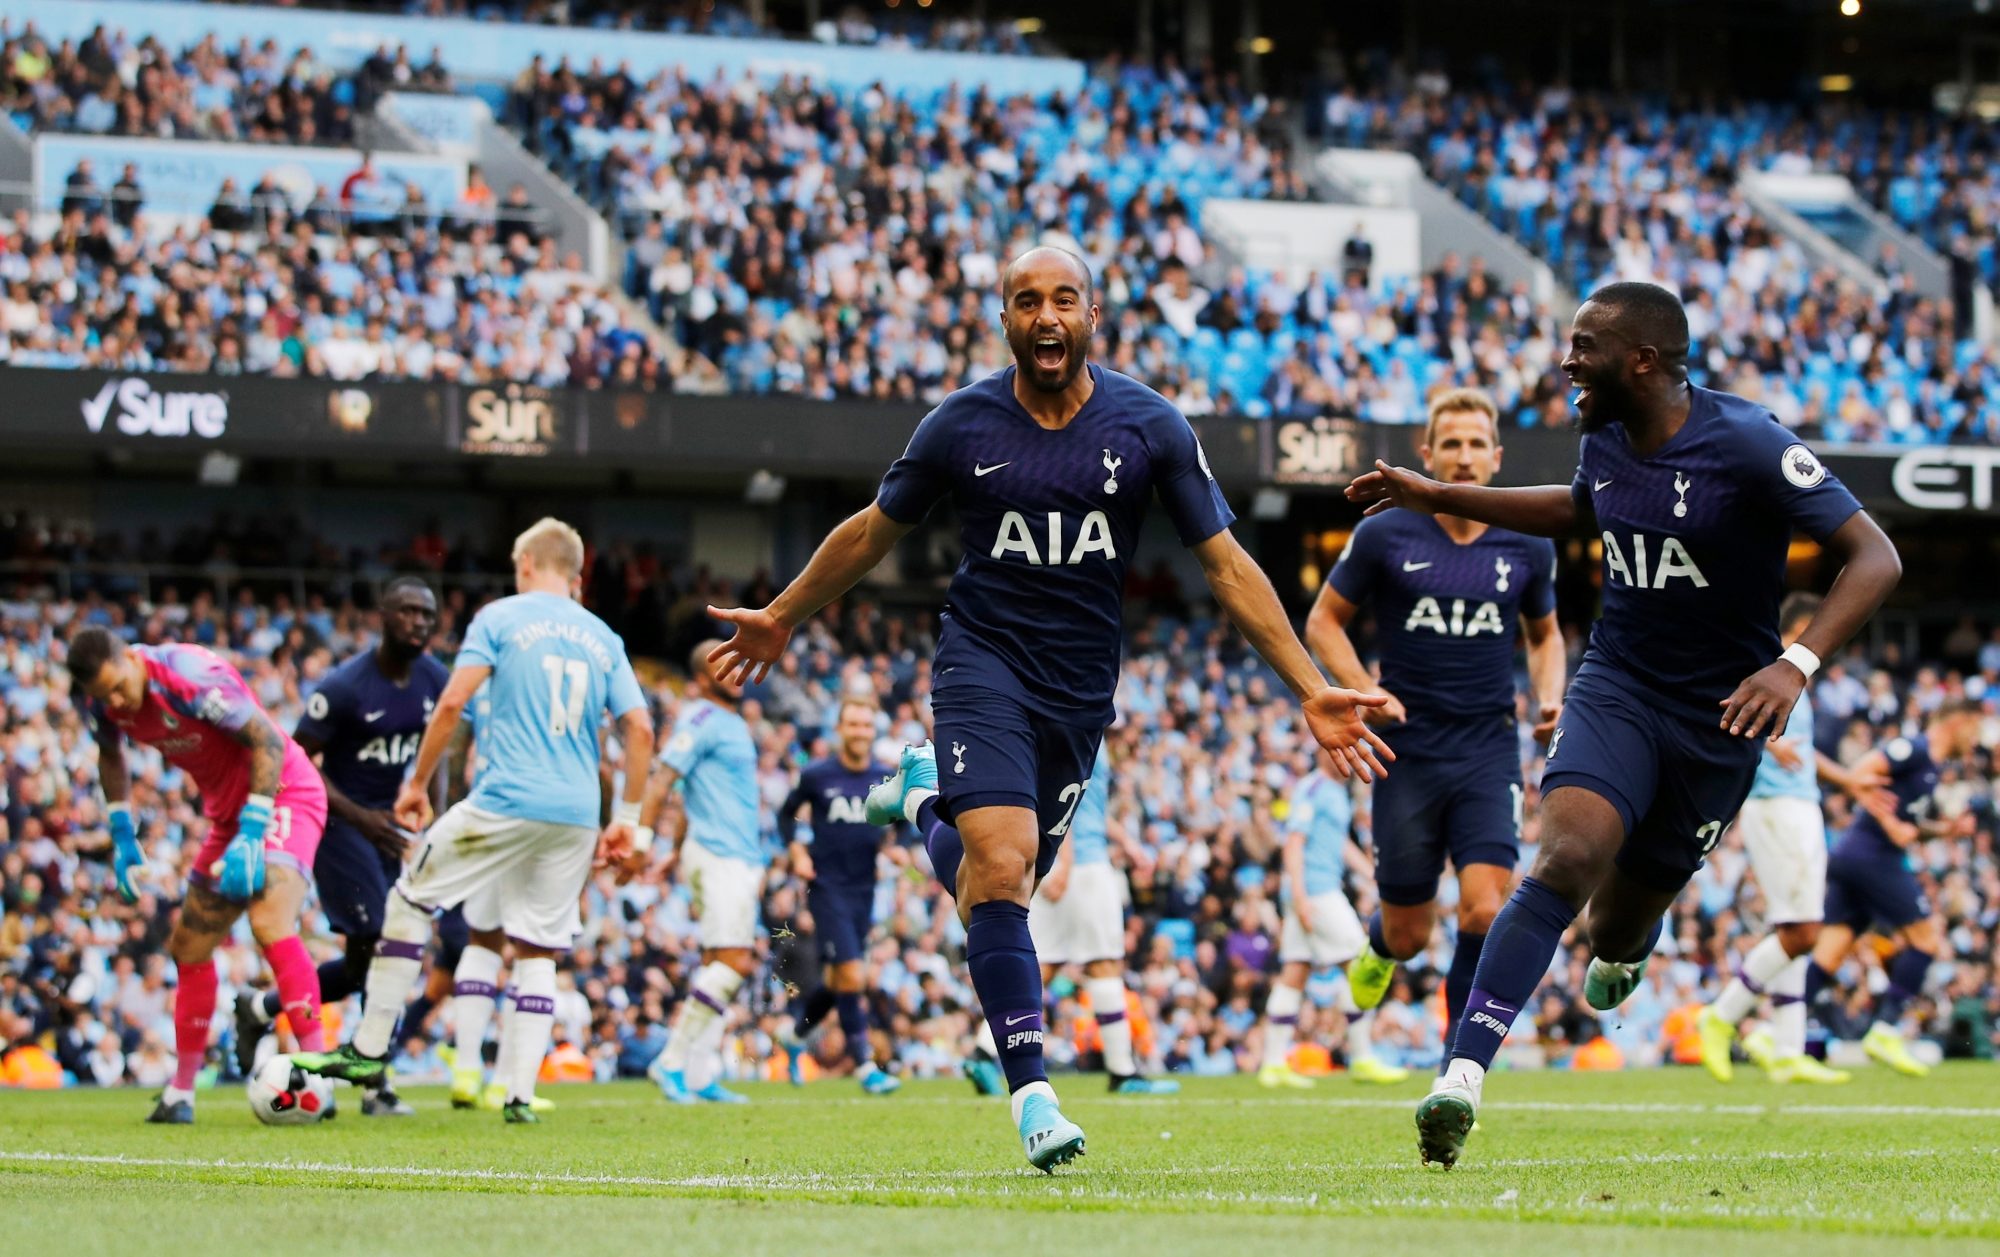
1023	1184
1167	1105
899	1180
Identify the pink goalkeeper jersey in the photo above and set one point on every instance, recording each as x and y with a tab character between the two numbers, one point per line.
195	705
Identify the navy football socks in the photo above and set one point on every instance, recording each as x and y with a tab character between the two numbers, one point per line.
1375	937
809	1010
854	1024
1458	985
1518	948
1906	979
1008	979
947	849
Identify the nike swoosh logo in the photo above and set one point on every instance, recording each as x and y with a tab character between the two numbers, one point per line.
1415	567
981	471
1598	486
1018	1018
374	716
1499	1008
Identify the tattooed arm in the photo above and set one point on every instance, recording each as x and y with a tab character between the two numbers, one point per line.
267	752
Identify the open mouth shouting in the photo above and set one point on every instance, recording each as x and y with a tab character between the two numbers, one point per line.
1050	352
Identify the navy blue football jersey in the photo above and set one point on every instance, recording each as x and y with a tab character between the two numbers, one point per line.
1695	538
1447	617
1913	779
844	844
1048	521
369	726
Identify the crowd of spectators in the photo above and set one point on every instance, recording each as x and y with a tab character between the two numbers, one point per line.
793	239
852	24
1205	753
1609	189
110	83
321	293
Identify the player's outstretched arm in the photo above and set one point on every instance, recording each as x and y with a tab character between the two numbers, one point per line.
849	552
1869	570
626	842
413	801
1326	637
1547	510
1333	715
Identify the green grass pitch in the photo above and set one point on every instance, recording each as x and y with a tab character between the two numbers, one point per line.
1651	1162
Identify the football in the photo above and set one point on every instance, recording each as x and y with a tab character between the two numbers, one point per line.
282	1094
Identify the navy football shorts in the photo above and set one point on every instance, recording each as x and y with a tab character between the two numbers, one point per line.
1867	885
1676	778
353	878
842	917
993	751
1428	810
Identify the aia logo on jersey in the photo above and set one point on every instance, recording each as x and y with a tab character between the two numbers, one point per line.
393	749
1429	613
846	810
1093	536
1674	561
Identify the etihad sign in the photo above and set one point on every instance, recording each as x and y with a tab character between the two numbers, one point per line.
1949	478
143	412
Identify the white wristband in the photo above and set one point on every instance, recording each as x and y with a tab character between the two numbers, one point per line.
642	839
625	812
1801	658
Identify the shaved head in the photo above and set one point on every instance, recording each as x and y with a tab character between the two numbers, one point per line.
1049	315
1036	260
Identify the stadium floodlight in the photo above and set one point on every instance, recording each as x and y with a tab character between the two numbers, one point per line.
1850	8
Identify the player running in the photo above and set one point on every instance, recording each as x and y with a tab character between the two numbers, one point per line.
1694	494
529	829
1448	594
1785	833
714	759
1078	917
836	860
1870	881
1051	464
266	809
1320	931
363	724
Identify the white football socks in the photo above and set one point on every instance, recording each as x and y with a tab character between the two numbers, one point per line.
1761	966
1115	1036
474	990
1788	1014
1360	1028
707	1001
1020	1098
528	1024
1281	1019
399	959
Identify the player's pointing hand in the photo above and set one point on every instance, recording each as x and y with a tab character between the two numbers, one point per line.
1335	718
758	643
1387	487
